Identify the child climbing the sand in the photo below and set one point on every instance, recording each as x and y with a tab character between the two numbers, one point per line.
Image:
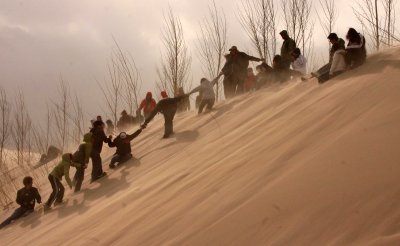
206	88
26	198
124	150
62	169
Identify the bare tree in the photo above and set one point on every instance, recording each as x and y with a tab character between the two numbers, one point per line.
5	111
390	22
61	113
173	72
78	120
258	18
212	43
367	13
327	16
297	16
130	76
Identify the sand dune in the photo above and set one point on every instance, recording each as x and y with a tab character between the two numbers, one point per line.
298	164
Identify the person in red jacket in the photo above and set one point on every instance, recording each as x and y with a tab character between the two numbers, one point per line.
147	105
249	83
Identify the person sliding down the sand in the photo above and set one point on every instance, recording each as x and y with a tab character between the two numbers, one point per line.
82	156
62	169
26	198
206	89
166	106
124	150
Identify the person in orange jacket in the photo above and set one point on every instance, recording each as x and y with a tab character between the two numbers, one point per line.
147	105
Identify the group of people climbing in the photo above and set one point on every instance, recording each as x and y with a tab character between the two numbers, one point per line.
238	78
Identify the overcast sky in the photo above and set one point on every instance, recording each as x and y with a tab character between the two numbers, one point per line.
42	40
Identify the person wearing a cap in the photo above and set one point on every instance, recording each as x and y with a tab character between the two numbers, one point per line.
168	107
287	49
299	62
235	71
124	150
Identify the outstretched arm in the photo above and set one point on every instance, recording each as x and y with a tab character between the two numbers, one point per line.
134	135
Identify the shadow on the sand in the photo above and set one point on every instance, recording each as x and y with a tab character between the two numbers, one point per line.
107	188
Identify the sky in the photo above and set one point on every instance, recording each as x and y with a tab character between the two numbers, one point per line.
44	40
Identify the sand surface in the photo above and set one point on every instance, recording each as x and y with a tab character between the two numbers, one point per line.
298	164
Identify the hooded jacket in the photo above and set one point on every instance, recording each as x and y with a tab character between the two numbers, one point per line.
62	169
148	104
84	151
124	145
26	198
206	88
338	62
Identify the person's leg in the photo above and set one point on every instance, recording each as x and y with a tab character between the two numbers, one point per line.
202	105
115	159
79	175
169	123
18	213
210	104
97	169
61	191
55	188
125	158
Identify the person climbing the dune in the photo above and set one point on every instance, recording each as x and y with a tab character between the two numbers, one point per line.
206	88
55	177
168	107
26	199
147	105
99	137
82	156
124	149
356	52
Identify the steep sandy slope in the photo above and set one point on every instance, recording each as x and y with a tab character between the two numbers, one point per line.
302	164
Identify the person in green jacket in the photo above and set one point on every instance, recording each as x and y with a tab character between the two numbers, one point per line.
81	157
62	169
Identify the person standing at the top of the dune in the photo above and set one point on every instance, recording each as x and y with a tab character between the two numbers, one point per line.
99	137
235	69
206	88
356	52
287	49
147	105
26	198
168	107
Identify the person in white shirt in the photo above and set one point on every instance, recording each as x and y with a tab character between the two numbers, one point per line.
299	62
338	63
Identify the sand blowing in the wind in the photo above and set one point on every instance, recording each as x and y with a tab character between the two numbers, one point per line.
290	157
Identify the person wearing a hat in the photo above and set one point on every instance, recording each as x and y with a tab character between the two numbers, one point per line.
147	105
168	107
235	71
299	62
124	150
287	49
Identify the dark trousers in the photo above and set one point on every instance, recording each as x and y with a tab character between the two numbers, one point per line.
169	123
78	178
229	86
18	213
120	159
354	58
97	169
58	191
206	102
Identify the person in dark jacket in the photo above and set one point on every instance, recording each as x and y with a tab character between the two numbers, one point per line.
167	107
288	46
82	156
235	71
124	150
184	105
125	121
98	138
356	52
26	199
